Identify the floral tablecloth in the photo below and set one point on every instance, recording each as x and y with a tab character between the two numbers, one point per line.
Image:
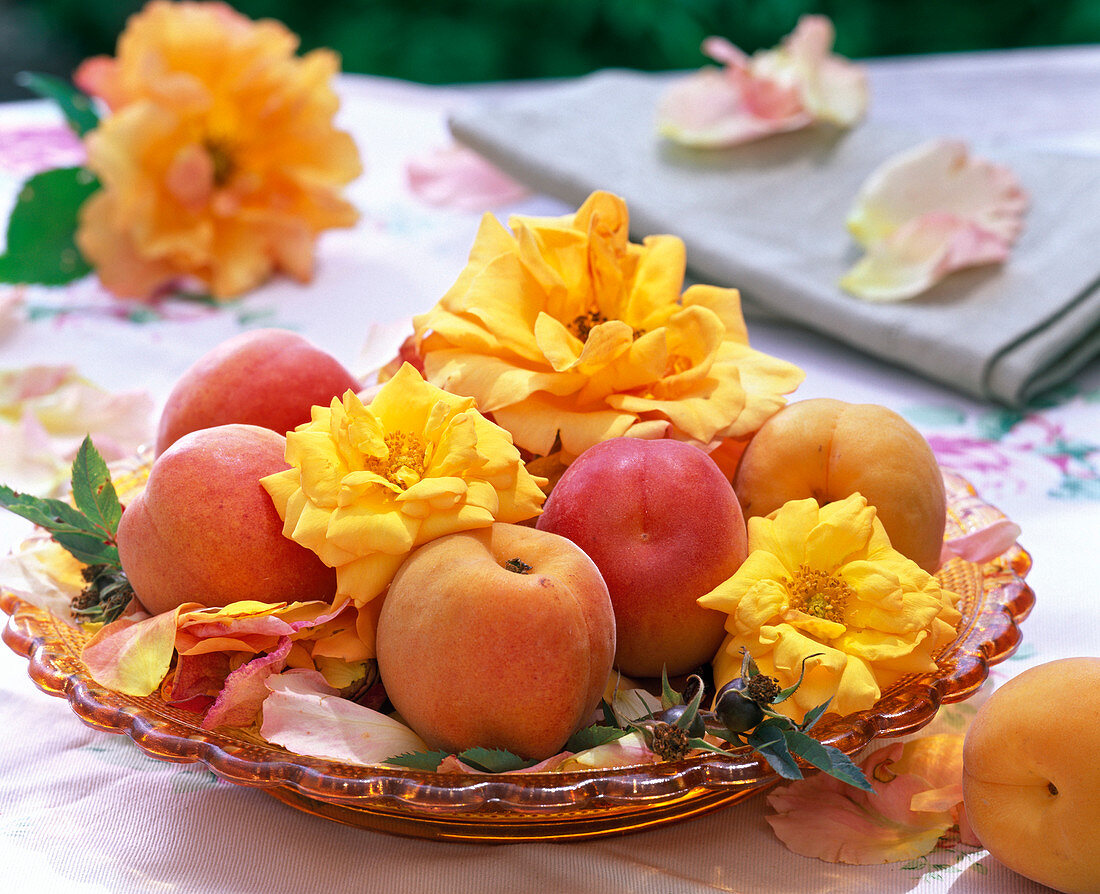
84	811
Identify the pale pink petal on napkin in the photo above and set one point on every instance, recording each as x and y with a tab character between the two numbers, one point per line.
307	716
927	212
797	83
11	307
457	177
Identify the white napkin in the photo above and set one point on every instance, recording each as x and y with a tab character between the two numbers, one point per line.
768	218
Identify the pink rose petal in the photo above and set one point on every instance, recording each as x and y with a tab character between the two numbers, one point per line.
917	798
928	212
982	546
794	85
457	177
239	702
306	715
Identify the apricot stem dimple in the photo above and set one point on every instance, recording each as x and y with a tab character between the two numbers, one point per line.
518	566
1052	788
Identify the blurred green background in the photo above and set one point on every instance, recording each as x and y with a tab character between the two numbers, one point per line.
442	41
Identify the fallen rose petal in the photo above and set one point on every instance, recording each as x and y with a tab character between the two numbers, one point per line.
132	655
457	177
982	546
789	87
238	704
305	715
927	212
917	798
628	751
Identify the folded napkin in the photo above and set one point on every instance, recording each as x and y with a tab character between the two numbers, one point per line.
769	218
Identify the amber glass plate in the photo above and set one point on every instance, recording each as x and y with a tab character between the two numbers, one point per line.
539	806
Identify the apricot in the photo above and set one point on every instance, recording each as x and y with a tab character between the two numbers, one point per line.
1031	777
828	449
204	529
265	377
500	637
663	525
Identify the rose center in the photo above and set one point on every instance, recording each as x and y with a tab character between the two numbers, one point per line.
404	462
222	159
585	323
819	593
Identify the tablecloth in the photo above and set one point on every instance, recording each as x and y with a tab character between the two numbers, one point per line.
85	811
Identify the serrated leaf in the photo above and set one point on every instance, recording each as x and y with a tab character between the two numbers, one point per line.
827	758
418	760
748	665
771	743
65	524
88	548
494	760
40	244
814	715
93	492
593	736
75	106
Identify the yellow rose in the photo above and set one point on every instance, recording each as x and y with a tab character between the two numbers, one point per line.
369	484
219	161
826	580
569	334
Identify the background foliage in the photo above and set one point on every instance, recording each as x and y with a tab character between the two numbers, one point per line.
439	41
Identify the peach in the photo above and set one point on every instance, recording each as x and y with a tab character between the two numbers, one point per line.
204	529
828	449
266	377
663	525
500	637
1031	777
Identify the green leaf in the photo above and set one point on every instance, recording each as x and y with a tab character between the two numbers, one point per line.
770	741
670	698
494	760
814	715
593	736
75	105
826	758
41	247
418	760
93	492
90	549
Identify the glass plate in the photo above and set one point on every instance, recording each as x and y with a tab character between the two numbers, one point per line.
539	806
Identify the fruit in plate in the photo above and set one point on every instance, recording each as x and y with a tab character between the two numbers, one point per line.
499	637
204	529
828	449
663	525
1031	776
265	377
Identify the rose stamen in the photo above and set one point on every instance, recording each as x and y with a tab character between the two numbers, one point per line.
819	593
404	462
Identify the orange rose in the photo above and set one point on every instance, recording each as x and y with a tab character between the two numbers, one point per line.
220	161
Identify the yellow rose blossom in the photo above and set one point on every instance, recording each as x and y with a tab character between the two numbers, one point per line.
826	580
368	484
569	334
220	161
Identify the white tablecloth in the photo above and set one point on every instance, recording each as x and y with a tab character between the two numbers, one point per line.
84	811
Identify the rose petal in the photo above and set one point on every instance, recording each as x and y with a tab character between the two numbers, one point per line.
133	654
791	86
927	212
457	177
244	691
983	545
307	716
